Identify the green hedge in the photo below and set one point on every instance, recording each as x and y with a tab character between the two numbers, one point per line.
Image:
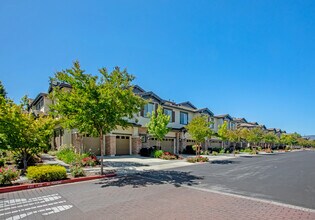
46	173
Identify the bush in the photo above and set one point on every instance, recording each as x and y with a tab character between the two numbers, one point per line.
157	153
236	152
77	171
222	151
7	175
206	152
52	152
214	153
259	148
67	155
168	156
46	173
2	162
89	161
246	150
197	159
146	152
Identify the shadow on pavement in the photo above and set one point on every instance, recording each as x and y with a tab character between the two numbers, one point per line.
147	178
123	164
224	162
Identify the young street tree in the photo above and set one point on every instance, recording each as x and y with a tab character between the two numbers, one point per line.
270	139
199	129
96	104
157	127
254	136
223	133
234	136
21	132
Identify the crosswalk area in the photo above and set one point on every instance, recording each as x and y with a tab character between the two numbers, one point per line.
32	208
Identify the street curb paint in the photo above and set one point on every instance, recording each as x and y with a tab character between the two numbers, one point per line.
53	183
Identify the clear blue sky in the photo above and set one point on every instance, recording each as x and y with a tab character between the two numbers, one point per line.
252	59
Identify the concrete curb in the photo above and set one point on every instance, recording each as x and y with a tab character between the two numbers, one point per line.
45	184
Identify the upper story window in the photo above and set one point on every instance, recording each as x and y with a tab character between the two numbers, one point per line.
170	113
212	122
148	109
40	104
184	118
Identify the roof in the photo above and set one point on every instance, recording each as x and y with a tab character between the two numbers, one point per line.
187	104
137	89
224	116
38	97
205	110
59	84
240	120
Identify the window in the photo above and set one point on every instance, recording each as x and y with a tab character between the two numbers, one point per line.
148	109
183	118
169	112
212	123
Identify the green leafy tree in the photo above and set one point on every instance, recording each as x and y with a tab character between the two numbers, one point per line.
223	132
234	136
290	139
255	136
157	127
199	129
96	104
22	133
3	93
270	139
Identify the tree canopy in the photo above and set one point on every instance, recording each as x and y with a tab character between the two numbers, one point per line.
95	104
21	132
3	93
157	127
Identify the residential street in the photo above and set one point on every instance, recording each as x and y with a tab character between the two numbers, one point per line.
178	194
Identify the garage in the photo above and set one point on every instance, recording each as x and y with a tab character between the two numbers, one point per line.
168	145
122	145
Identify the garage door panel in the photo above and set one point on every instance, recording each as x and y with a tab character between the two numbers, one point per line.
122	145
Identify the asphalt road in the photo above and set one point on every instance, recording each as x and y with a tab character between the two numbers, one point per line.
181	193
287	178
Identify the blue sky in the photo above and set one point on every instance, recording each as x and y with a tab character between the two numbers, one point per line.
252	59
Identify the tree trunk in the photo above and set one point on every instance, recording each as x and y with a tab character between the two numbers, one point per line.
102	152
234	147
24	161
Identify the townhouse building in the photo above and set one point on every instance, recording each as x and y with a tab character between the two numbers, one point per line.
130	140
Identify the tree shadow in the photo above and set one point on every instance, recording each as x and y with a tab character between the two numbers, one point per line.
123	164
147	178
225	162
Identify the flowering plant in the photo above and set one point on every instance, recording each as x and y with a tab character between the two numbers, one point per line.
7	175
89	161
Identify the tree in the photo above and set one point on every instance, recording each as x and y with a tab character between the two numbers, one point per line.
157	127
96	104
3	93
254	136
234	136
223	132
199	129
21	132
270	139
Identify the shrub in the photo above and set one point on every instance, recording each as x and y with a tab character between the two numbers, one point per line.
157	153
259	148
287	148
2	162
77	171
246	150
206	152
168	156
222	151
236	152
146	152
67	155
89	161
214	153
46	173
197	159
7	175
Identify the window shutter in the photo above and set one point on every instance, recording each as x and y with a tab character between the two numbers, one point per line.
156	108
142	112
173	116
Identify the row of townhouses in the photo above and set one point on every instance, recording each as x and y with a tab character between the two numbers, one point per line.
132	139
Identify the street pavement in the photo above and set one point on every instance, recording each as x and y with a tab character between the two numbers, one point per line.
177	194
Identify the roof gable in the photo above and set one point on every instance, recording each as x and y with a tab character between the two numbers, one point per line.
187	104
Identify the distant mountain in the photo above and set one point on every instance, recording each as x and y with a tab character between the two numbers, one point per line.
312	137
